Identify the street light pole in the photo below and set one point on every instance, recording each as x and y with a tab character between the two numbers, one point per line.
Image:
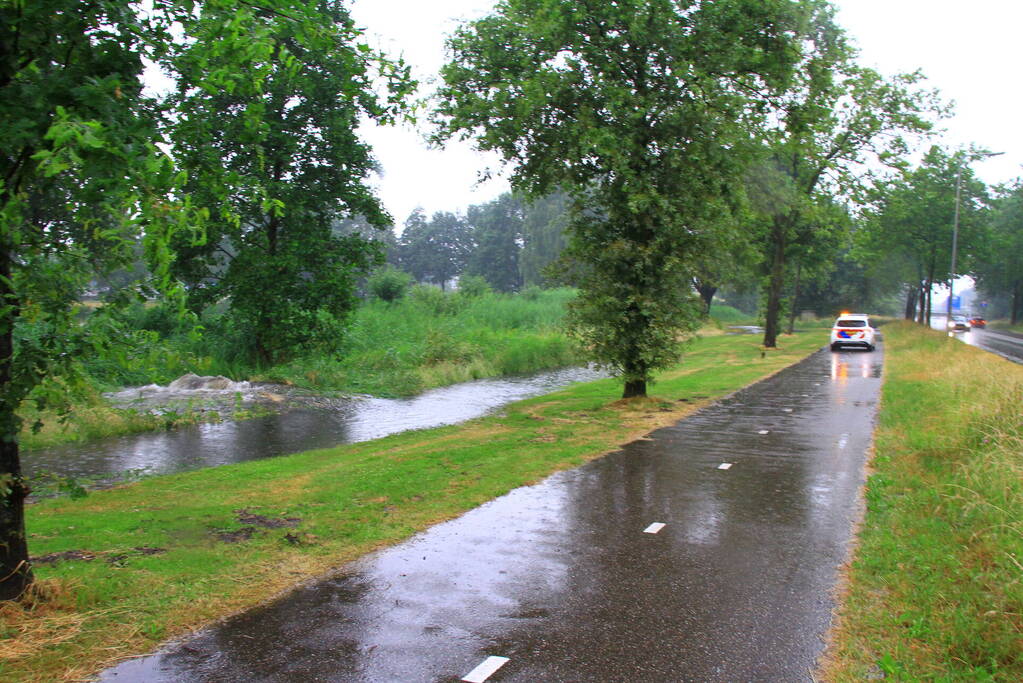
955	230
955	245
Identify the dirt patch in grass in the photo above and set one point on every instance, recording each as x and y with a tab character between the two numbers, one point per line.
236	536
64	556
253	519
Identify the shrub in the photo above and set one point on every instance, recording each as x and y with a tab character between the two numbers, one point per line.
473	286
389	284
433	301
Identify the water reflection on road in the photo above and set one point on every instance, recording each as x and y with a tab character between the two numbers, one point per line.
337	421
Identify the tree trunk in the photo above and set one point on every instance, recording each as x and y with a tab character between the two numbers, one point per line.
922	298
930	293
911	304
775	284
1017	303
795	299
634	388
930	287
15	569
707	292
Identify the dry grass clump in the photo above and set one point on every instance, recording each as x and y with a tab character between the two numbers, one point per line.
45	616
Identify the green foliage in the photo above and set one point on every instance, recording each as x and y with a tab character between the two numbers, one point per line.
724	313
83	186
433	300
473	286
389	284
544	236
274	154
435	250
999	260
909	231
497	228
431	338
639	112
833	120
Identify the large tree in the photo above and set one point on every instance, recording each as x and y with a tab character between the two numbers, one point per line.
81	185
83	182
497	235
638	110
436	249
998	263
912	223
277	159
835	120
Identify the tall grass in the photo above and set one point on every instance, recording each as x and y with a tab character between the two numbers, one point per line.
431	338
936	590
723	313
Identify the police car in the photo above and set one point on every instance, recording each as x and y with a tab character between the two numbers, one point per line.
852	329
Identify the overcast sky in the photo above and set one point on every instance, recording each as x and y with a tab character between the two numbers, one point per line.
968	50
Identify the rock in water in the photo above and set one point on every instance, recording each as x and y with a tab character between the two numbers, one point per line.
191	382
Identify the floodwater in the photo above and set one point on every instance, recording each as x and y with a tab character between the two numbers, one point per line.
1005	344
706	552
320	423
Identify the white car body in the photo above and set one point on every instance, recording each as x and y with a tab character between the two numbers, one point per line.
852	329
959	322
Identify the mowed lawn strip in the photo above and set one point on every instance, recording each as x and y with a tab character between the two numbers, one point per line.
154	559
936	588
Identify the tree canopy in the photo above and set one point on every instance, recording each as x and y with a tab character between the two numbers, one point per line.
639	111
998	266
911	226
834	121
276	159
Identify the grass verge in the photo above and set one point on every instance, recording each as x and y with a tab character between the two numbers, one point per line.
123	569
1005	326
935	591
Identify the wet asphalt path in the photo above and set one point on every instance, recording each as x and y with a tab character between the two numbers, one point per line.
562	579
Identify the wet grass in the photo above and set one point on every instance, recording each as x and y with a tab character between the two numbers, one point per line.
92	417
1005	326
936	588
126	568
432	338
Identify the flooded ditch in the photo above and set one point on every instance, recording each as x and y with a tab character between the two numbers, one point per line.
306	421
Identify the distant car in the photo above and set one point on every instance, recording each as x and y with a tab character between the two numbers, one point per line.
852	329
977	321
958	322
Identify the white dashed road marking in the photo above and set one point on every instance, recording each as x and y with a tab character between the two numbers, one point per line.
654	528
764	431
725	466
485	670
